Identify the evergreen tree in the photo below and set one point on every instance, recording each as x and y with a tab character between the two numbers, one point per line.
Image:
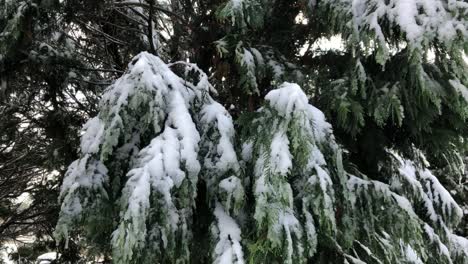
158	134
229	159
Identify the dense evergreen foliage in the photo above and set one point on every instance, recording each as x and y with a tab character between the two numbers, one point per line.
236	131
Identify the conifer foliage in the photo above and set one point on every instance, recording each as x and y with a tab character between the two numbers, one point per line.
230	133
158	135
144	150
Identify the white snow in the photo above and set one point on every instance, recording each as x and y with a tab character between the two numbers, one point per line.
290	101
354	260
247	149
404	204
459	87
440	196
217	114
459	244
85	172
230	184
247	61
438	202
280	158
180	118
228	250
411	255
233	190
48	256
288	98
355	183
276	67
92	137
311	232
421	21
434	238
170	159
291	227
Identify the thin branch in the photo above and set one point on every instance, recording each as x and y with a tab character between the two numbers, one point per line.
150	28
107	36
97	70
91	82
159	8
